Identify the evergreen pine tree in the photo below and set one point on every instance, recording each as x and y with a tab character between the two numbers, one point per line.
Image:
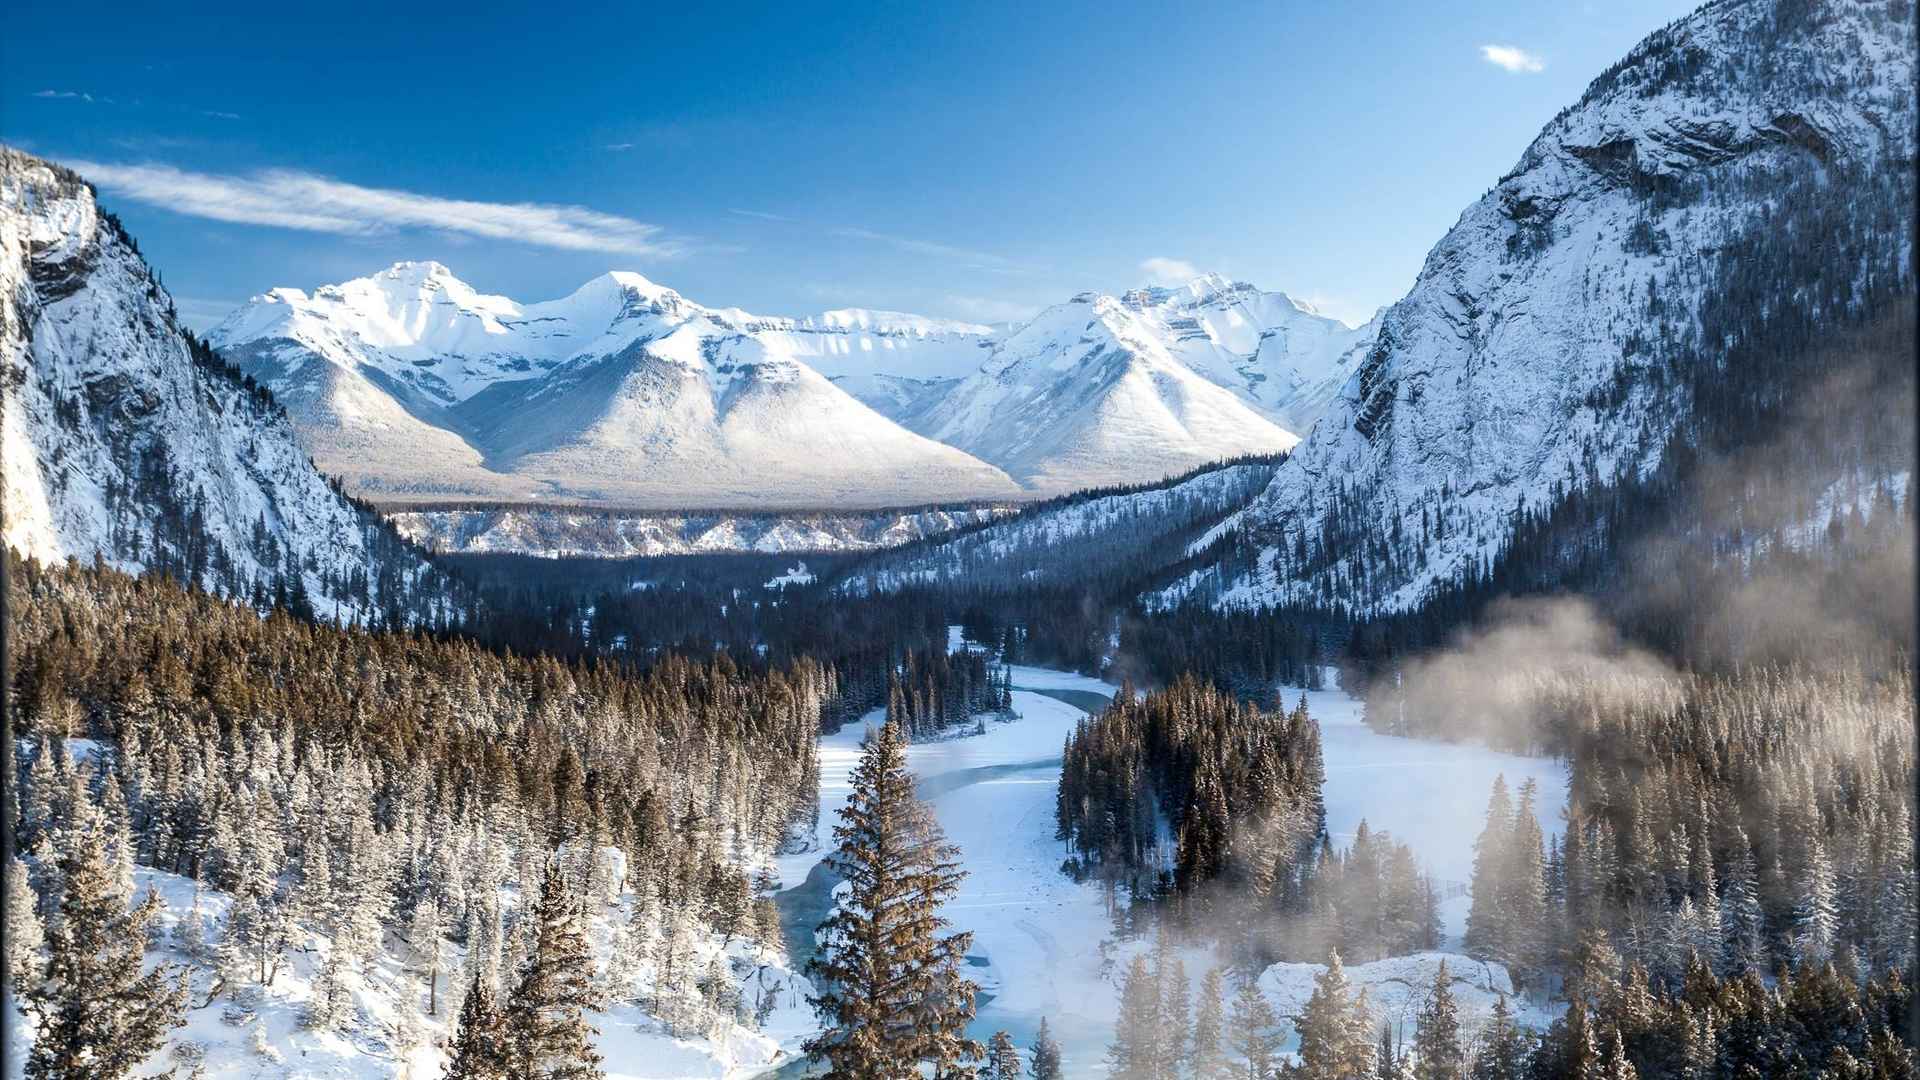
1815	911
1176	1016
95	1015
1206	1059
330	1003
545	1029
1045	1063
1250	1026
1439	1052
1135	1053
1616	1066
1486	923
24	932
1523	889
1504	1048
1336	1036
479	1049
1003	1058
892	993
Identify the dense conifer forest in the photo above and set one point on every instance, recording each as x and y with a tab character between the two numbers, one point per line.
349	782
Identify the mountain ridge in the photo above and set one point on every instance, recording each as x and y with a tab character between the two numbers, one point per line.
127	440
413	385
1530	359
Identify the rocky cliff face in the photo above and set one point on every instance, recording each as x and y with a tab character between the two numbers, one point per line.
126	440
1528	360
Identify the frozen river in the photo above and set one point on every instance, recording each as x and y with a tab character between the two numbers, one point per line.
1037	948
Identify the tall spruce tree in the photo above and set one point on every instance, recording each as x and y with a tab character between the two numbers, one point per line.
1438	1051
1486	935
1176	1014
1003	1058
1336	1034
479	1050
1136	1053
892	992
1250	1027
25	933
546	1033
1505	1048
1044	1063
1206	1060
95	1014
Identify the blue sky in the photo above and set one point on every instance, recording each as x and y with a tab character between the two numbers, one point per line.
977	161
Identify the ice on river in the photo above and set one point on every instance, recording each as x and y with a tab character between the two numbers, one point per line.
1038	936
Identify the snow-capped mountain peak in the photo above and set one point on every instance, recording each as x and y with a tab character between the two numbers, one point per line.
414	383
1530	358
411	384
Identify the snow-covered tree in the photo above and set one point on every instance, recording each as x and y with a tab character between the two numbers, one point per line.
1206	1058
892	993
1250	1032
544	1023
1003	1058
1044	1055
25	934
1439	1053
1815	914
95	1014
479	1046
1504	1049
1336	1032
1135	1053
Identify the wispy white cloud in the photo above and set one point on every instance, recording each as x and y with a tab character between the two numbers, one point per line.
1513	58
218	115
69	95
617	146
200	314
762	215
296	200
1161	270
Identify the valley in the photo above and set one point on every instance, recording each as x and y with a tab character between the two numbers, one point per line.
1129	671
1044	945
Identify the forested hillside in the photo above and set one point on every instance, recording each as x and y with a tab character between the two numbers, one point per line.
395	797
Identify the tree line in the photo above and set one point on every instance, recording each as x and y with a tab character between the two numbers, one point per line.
1210	812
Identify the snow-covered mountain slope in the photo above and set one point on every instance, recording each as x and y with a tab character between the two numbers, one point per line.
1277	354
411	384
903	399
1095	533
1090	394
123	438
1530	358
555	532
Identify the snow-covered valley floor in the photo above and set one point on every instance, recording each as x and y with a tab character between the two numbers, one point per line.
1041	941
1043	945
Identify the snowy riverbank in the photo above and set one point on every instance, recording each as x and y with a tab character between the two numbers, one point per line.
1041	941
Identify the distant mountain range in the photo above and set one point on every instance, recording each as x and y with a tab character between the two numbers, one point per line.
1564	338
413	387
